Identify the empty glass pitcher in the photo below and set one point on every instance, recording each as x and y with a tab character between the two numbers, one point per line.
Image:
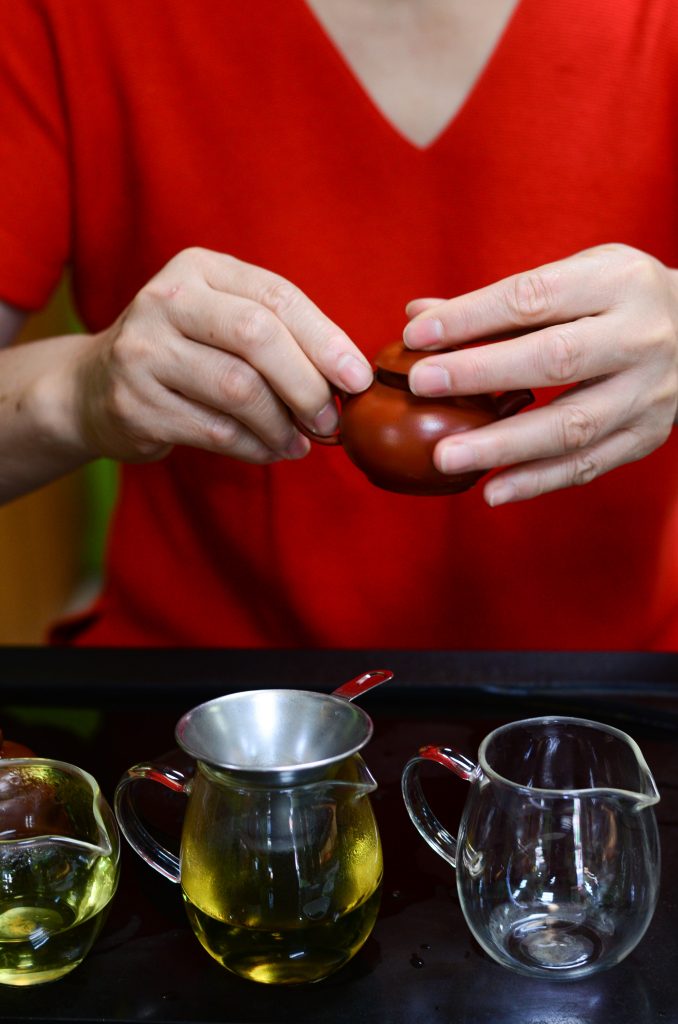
557	856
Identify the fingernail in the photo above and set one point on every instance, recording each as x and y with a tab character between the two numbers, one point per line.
429	379
501	494
456	457
327	420
297	448
419	333
353	373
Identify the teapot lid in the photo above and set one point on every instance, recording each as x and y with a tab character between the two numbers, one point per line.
396	358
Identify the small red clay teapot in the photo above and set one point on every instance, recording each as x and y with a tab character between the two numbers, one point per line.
390	433
8	748
30	804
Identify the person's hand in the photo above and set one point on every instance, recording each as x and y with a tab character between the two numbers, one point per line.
217	354
604	321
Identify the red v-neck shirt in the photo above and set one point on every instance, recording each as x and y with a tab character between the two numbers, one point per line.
135	128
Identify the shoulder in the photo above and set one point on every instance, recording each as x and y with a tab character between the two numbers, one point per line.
642	27
632	25
634	40
144	29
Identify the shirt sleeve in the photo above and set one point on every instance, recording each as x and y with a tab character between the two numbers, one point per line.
34	166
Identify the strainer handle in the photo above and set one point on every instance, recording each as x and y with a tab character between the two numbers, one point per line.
423	818
367	681
133	828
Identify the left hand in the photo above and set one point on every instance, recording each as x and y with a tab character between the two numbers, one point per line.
604	321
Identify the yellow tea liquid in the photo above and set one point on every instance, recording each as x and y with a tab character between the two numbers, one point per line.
283	886
287	956
47	930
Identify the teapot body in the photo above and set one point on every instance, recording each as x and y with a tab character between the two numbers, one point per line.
10	748
390	433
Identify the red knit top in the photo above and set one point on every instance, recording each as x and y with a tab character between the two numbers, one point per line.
133	130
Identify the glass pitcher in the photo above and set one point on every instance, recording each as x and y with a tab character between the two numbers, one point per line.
59	866
280	862
557	856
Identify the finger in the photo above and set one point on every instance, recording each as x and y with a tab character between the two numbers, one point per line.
417	306
256	335
229	385
564	354
573	470
553	293
182	421
577	420
329	348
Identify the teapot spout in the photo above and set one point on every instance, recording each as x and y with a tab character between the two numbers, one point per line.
511	402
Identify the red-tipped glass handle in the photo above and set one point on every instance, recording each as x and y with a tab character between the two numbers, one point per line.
423	818
362	683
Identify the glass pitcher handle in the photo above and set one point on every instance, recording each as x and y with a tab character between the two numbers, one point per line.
423	818
132	827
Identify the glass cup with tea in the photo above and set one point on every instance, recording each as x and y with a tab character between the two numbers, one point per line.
59	866
280	860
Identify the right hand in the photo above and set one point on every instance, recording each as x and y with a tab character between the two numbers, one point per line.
217	354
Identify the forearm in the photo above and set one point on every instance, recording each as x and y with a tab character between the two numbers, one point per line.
39	435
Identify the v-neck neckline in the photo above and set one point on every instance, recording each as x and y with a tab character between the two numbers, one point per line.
372	107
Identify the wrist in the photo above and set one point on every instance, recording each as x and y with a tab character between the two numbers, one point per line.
38	422
54	397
